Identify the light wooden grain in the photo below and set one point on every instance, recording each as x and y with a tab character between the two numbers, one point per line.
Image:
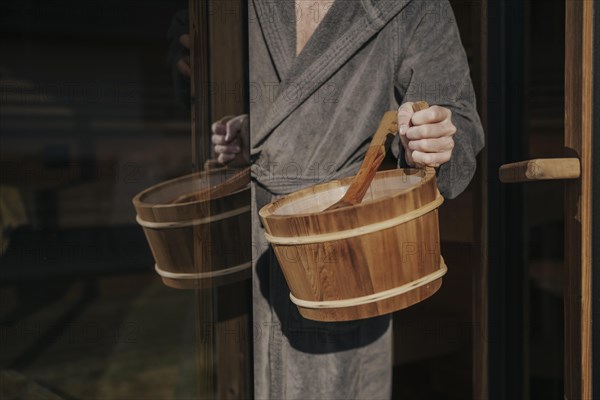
373	159
420	105
578	195
540	169
375	297
360	265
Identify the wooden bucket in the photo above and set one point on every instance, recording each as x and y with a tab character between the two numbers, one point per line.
198	242
361	261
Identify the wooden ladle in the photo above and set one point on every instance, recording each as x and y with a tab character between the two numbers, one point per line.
375	155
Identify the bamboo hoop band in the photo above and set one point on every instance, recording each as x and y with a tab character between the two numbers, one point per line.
357	301
193	222
362	230
202	275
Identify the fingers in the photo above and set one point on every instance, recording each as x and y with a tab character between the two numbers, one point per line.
218	130
226	138
184	68
431	159
426	135
218	139
429	152
226	150
233	148
405	113
408	157
431	130
431	115
184	40
233	127
224	158
432	145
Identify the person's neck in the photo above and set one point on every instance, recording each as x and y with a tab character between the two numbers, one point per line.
309	14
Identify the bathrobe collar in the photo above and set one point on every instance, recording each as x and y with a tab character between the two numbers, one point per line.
343	31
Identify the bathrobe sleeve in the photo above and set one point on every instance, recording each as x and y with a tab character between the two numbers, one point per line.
433	67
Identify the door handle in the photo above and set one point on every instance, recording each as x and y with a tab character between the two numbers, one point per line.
540	169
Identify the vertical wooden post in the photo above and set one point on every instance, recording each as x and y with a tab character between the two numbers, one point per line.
218	64
200	114
480	275
228	57
578	195
228	64
200	80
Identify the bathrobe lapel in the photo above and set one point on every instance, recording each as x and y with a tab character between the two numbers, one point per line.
340	35
277	21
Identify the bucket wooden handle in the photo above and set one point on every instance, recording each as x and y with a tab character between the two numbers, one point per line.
375	155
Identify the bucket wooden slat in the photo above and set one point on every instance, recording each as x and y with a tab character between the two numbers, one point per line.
352	265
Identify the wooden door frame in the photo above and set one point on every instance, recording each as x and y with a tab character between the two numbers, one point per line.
480	332
219	82
596	210
500	337
579	28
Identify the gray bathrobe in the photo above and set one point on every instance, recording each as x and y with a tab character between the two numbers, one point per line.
311	120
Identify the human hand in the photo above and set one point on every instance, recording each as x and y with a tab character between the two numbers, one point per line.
426	135
229	137
183	64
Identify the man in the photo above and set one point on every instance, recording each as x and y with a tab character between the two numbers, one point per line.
322	74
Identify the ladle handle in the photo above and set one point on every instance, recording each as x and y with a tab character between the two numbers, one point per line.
375	155
370	165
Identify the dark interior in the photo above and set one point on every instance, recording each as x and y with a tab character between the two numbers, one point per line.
90	116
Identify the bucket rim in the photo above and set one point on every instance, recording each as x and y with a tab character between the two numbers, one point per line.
267	211
139	203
